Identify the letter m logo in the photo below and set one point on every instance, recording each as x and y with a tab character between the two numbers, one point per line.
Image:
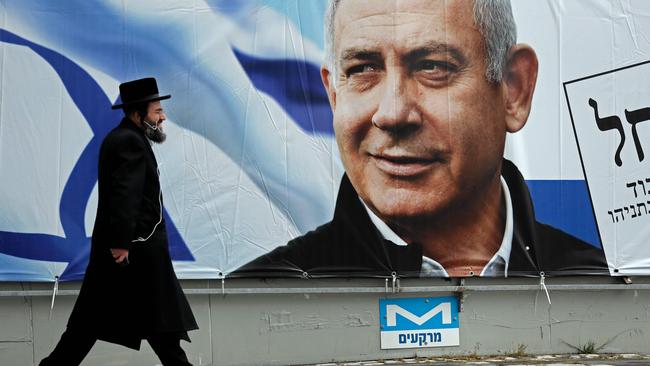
392	310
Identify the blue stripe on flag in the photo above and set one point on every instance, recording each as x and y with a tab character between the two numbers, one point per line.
296	86
565	204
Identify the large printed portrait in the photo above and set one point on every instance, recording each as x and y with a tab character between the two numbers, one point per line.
437	138
423	94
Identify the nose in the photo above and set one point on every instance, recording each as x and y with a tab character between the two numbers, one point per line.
397	110
162	117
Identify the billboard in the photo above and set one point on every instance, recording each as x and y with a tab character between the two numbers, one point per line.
381	154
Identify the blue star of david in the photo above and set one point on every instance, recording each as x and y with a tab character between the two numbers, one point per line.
95	107
294	84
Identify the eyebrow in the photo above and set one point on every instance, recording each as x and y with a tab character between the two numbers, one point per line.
362	54
436	48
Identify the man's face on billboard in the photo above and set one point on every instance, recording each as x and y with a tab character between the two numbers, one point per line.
420	129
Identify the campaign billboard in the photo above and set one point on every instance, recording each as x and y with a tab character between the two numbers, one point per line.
374	144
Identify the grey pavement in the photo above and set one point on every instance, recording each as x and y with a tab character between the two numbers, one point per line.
522	360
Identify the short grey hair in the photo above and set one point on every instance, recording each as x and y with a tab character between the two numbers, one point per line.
493	18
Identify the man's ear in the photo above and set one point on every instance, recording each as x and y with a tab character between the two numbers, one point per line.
133	116
326	77
519	81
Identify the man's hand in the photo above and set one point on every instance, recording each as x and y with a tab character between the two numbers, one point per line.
120	255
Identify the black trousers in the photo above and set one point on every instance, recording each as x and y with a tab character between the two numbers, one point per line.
74	346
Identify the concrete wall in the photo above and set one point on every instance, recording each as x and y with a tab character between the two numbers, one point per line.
286	322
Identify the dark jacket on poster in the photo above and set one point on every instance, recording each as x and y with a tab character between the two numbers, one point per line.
124	304
350	244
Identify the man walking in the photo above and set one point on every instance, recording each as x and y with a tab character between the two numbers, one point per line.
130	291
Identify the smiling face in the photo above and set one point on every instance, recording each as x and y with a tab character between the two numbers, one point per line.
155	114
420	129
151	122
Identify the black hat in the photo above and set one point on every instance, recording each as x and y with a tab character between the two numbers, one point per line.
138	91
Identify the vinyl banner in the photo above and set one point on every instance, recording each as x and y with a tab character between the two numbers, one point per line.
355	138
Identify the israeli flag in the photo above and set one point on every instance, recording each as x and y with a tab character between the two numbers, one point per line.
250	161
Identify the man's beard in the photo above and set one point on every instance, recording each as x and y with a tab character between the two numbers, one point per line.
157	135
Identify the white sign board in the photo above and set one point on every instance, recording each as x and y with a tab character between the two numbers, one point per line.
610	112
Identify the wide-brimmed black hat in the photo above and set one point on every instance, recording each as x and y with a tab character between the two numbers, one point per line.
138	91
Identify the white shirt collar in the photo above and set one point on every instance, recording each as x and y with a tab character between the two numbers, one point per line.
497	266
383	228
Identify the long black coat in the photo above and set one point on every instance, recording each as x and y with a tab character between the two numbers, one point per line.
126	304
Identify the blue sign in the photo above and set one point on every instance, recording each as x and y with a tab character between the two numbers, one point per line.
419	322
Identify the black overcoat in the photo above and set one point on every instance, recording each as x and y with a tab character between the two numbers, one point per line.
124	304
